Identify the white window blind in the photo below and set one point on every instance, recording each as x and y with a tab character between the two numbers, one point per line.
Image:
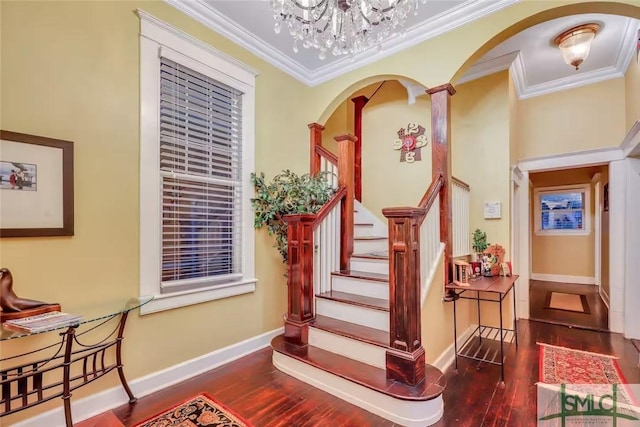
200	168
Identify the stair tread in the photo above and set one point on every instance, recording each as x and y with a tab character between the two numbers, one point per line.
367	224
371	238
361	373
372	255
352	330
361	300
362	275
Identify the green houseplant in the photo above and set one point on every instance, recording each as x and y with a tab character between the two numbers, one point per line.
479	242
287	194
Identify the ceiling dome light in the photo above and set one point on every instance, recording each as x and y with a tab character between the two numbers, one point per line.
575	43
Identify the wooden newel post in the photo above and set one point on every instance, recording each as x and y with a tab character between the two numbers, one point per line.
441	164
315	141
358	105
406	359
300	278
346	151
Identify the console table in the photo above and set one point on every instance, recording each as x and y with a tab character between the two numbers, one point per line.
70	362
479	345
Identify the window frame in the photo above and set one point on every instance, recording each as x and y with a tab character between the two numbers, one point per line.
586	216
158	39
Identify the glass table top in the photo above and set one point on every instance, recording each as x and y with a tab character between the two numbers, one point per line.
88	314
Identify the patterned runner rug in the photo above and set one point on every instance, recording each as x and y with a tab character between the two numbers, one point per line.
582	371
201	410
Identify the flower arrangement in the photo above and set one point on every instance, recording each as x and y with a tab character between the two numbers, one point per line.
492	258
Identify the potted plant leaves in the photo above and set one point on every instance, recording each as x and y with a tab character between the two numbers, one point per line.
287	194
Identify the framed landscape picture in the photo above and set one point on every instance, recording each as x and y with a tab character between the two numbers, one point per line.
36	186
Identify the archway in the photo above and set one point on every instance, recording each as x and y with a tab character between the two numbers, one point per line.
520	200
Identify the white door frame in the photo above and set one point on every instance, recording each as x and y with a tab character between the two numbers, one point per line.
597	228
565	161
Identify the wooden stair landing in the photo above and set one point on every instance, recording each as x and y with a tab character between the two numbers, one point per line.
361	373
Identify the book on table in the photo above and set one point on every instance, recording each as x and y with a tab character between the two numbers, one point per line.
42	322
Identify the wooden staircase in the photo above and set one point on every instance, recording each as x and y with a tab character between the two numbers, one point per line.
356	286
349	338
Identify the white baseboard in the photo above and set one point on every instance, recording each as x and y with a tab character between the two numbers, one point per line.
581	280
114	397
448	356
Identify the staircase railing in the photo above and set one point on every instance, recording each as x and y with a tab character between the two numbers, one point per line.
412	233
320	243
460	216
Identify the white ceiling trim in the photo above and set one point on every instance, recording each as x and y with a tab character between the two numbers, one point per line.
201	12
485	68
625	52
631	143
414	90
439	24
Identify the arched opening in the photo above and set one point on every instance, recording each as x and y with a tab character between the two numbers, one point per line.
538	127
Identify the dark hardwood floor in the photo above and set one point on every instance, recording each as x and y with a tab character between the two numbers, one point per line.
474	396
597	319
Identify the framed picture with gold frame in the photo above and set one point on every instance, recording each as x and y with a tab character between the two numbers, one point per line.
36	186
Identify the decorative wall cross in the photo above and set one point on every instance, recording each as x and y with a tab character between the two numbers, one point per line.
410	140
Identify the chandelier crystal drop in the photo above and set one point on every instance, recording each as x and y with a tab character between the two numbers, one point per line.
342	27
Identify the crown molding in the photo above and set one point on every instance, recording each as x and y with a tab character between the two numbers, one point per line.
623	57
491	66
214	20
465	13
145	17
631	142
414	90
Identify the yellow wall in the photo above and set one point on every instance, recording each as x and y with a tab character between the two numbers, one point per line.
564	255
583	118
70	71
446	57
480	147
386	181
437	319
632	92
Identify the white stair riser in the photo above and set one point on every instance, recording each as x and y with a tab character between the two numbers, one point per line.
367	288
362	230
370	246
364	316
380	266
409	413
353	349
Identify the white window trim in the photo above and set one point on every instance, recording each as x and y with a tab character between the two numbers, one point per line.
160	39
563	189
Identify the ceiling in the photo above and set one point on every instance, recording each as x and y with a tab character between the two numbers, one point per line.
250	24
536	64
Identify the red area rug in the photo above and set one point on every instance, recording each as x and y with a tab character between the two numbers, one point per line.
201	410
561	365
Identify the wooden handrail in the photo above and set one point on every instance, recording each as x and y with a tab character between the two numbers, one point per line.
460	182
328	207
323	152
432	192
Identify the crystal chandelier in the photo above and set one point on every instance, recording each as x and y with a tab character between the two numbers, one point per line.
344	27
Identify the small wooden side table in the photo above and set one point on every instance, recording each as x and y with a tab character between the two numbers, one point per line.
478	346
